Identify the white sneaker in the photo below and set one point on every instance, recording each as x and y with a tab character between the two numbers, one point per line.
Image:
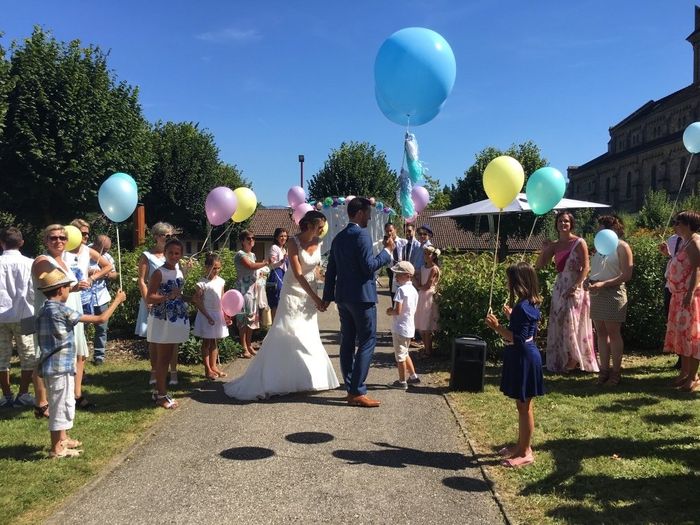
25	399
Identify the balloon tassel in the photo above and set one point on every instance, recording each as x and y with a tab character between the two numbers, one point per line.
119	256
495	258
675	203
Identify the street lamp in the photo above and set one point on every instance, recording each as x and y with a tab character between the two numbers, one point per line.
301	167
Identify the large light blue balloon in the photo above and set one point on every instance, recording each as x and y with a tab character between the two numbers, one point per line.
606	242
545	188
404	119
118	197
414	71
691	138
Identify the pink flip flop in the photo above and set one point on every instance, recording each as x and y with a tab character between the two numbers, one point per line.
505	452
518	462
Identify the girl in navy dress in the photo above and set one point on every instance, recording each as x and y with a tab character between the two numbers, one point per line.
521	378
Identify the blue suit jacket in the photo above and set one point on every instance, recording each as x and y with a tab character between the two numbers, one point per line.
351	266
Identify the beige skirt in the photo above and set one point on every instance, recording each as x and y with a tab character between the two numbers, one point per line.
609	304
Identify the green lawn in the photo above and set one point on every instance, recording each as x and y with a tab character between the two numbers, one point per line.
32	485
629	454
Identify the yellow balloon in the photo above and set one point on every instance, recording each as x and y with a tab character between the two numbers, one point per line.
324	231
247	202
503	179
75	238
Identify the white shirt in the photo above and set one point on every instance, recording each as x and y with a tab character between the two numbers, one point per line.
403	324
99	291
16	290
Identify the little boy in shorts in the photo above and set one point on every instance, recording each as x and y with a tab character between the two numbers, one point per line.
54	324
403	327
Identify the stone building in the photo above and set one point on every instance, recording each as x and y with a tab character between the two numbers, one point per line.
645	150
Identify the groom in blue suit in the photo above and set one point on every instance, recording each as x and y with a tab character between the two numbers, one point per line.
350	282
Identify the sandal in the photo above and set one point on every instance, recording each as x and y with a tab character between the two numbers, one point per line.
41	411
166	402
247	356
694	386
71	443
65	453
518	462
212	376
221	374
82	403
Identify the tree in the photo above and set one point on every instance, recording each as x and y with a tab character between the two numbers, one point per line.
356	168
470	189
5	86
186	169
439	198
69	125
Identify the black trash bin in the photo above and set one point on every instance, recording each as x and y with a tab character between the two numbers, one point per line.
468	363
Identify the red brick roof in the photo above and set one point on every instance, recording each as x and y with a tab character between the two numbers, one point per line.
446	232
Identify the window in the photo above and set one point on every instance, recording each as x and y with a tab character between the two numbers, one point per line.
628	192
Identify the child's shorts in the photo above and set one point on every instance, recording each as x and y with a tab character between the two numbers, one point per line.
60	391
25	347
401	345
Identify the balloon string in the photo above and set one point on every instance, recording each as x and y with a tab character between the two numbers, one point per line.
119	256
495	252
204	244
680	188
527	243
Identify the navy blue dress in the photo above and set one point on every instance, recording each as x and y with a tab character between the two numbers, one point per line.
522	365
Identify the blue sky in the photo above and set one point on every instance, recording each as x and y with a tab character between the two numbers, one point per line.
275	79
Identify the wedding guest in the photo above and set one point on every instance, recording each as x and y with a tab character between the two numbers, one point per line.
403	324
277	253
569	329
411	247
424	235
99	296
670	249
683	327
168	317
606	285
79	262
427	310
55	330
247	283
390	231
17	310
55	238
149	261
521	377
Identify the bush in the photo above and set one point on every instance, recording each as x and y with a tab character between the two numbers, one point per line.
464	295
190	352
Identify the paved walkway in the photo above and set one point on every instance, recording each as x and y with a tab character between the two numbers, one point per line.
298	459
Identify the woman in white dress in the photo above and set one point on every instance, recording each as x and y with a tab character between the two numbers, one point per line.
292	357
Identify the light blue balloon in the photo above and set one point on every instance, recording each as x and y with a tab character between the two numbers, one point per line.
544	189
606	242
691	138
414	71
118	197
404	119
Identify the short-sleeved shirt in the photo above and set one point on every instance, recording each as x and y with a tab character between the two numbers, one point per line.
99	293
404	324
54	328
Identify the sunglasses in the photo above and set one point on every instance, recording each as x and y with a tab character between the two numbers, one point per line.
85	234
55	238
250	238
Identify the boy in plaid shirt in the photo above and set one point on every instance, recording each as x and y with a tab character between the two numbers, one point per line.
55	322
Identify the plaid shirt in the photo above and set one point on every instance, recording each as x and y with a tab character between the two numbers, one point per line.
54	323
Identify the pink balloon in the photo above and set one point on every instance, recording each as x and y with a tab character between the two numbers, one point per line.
221	203
372	201
349	198
300	211
319	205
295	196
411	219
232	302
420	197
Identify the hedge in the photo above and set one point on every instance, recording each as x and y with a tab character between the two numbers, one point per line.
463	296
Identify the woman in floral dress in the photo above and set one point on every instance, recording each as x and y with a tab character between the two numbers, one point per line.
683	327
569	330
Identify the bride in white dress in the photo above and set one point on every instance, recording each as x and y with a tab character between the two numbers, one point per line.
292	357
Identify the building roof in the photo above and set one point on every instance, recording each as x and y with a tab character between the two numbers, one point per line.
265	220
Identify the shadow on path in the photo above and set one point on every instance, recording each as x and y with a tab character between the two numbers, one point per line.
400	457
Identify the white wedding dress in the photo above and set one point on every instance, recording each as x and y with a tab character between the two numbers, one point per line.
292	357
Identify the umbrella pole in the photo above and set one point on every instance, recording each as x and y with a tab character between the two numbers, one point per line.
495	260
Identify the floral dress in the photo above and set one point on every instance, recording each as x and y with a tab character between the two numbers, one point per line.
247	284
683	327
169	321
569	331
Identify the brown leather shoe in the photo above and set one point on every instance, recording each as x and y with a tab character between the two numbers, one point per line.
362	401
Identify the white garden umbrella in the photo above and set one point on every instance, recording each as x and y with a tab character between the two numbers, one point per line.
518	205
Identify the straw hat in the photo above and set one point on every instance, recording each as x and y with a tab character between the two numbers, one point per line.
403	267
53	279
